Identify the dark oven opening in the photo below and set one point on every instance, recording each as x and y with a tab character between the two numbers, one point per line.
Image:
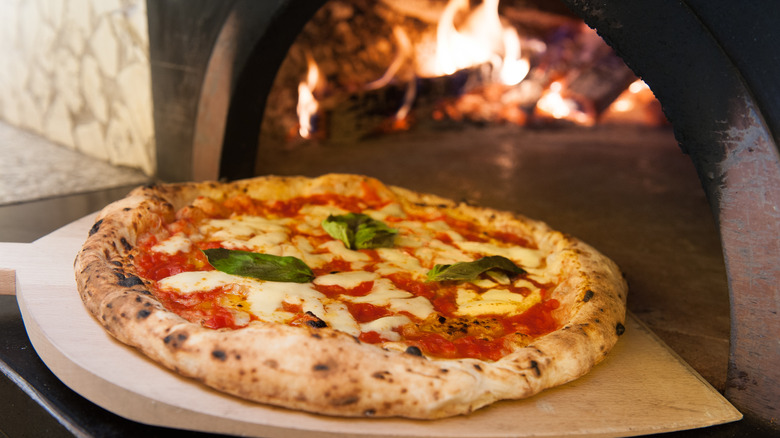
702	264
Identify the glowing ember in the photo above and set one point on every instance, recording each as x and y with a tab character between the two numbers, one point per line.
554	104
307	103
636	105
628	100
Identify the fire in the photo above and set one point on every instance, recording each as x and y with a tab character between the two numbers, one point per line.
629	100
554	104
481	39
307	103
509	78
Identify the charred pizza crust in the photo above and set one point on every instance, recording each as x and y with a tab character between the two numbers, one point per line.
325	371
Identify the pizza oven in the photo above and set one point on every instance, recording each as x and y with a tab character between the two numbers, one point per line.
224	72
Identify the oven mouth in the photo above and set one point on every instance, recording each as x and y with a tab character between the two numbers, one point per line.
701	61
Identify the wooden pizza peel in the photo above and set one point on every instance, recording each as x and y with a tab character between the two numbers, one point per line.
641	388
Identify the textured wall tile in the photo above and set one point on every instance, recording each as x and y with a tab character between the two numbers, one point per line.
90	140
77	72
104	48
57	125
92	87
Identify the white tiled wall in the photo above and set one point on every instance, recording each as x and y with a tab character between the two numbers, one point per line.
77	72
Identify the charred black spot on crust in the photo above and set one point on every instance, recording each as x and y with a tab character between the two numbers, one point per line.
380	375
588	296
126	244
130	281
320	367
444	370
315	323
344	401
126	209
477	367
535	367
219	355
316	336
175	340
369	412
318	323
143	314
620	329
95	227
414	351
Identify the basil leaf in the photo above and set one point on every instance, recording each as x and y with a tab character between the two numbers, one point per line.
339	227
359	231
261	266
374	234
465	271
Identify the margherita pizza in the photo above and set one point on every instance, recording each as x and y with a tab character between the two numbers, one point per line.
343	296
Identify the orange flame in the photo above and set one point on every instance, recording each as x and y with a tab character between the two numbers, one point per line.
482	39
307	103
554	104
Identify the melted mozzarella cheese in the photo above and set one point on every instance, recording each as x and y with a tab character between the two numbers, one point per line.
337	248
338	317
494	302
398	260
200	281
385	325
383	213
347	280
174	244
384	293
242	227
267	297
524	256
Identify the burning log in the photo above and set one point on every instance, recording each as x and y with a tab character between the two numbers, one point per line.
383	70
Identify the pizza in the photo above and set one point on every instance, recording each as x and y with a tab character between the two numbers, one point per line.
344	296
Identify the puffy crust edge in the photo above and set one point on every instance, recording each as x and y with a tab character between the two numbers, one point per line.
338	375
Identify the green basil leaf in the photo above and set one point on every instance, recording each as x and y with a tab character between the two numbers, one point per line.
374	234
465	271
339	227
261	266
359	231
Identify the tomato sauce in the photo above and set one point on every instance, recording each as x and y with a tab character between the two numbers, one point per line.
333	291
204	308
437	345
157	265
367	312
